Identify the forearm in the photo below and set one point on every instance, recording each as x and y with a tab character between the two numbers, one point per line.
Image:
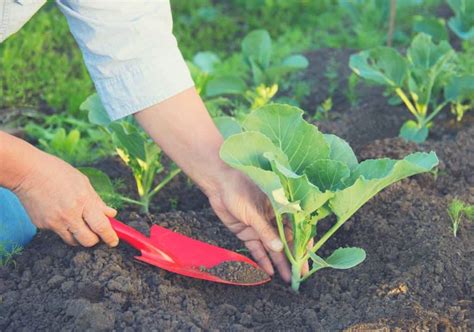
182	127
16	159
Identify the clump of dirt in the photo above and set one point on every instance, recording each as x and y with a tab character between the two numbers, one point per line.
240	272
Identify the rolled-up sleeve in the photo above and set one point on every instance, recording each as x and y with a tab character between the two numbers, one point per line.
130	51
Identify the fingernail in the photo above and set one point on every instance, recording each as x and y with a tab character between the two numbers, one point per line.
276	245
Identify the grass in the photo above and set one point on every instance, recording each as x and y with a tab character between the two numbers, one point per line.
7	256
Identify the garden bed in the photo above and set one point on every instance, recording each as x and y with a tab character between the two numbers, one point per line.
416	276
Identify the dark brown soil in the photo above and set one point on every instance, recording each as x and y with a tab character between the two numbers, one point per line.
417	276
237	272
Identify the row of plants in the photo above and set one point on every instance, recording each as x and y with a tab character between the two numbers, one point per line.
244	90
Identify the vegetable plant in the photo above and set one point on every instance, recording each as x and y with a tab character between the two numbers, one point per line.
309	176
462	23
418	79
457	211
136	150
68	146
257	52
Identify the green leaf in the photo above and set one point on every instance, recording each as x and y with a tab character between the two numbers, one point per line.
298	188
460	29
97	114
206	61
435	27
374	175
341	259
412	131
423	53
460	88
341	151
129	139
257	45
382	65
285	127
346	258
327	174
225	85
296	61
99	180
227	125
245	152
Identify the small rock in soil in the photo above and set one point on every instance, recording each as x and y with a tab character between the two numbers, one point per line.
237	272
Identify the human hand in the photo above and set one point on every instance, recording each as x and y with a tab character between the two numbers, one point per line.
246	212
60	198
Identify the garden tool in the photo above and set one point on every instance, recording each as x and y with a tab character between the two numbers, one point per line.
180	254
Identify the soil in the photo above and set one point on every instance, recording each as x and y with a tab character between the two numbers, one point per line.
237	272
417	276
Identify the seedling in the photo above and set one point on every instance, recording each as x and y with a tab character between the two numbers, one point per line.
7	256
458	211
419	79
309	176
136	149
462	24
257	52
322	111
68	146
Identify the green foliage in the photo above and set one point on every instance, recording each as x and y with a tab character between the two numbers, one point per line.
322	111
458	211
41	65
257	52
7	256
462	23
435	27
421	79
137	151
308	176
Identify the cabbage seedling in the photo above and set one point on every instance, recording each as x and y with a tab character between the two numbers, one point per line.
137	150
419	79
457	210
309	176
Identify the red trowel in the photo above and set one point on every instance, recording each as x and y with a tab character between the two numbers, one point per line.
180	254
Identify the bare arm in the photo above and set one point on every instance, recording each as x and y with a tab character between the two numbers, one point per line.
182	127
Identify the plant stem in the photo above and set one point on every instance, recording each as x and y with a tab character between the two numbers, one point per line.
296	276
327	235
129	200
165	181
434	113
408	103
281	232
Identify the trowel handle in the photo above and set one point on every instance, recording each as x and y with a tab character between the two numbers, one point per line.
136	239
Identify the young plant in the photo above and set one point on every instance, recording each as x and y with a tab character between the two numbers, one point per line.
257	52
457	210
309	176
68	146
136	149
418	79
462	23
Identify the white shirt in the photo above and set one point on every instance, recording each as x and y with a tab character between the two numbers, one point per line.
128	47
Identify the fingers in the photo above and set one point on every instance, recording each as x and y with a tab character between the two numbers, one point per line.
267	234
95	215
67	237
259	253
83	234
250	238
282	265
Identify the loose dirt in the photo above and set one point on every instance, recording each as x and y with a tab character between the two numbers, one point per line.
417	276
237	272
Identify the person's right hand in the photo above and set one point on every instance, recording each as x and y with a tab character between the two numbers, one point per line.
60	198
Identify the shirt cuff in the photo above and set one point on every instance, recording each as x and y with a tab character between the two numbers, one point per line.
144	84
